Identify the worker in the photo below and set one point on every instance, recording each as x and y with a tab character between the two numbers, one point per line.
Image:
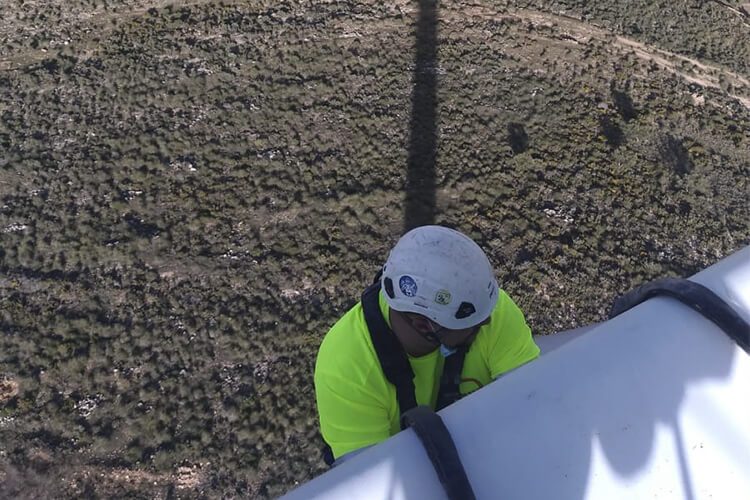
436	303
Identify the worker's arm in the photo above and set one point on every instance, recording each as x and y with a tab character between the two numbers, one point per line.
352	415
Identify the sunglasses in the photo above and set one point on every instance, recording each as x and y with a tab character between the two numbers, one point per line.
435	336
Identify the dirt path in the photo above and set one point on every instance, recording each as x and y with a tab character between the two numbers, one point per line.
559	27
742	10
89	25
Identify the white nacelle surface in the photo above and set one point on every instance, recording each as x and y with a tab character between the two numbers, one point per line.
654	403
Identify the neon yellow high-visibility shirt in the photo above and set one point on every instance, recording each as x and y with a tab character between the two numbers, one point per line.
357	405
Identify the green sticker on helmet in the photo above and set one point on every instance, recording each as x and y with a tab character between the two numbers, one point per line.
443	297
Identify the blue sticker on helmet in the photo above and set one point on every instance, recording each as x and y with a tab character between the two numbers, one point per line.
408	286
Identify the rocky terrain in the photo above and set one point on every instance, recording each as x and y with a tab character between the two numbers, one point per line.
191	193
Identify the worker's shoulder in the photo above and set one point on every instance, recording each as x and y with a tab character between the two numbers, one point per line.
348	342
506	320
504	306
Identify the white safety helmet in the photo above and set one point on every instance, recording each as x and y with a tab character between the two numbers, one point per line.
441	274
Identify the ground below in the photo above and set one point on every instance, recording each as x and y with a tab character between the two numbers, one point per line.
192	192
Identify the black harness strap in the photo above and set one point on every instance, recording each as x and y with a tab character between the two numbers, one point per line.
427	424
441	450
694	295
391	355
395	363
450	380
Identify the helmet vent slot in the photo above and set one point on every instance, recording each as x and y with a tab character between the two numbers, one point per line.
465	310
388	285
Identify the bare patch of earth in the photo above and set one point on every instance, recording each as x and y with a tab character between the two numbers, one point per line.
8	389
